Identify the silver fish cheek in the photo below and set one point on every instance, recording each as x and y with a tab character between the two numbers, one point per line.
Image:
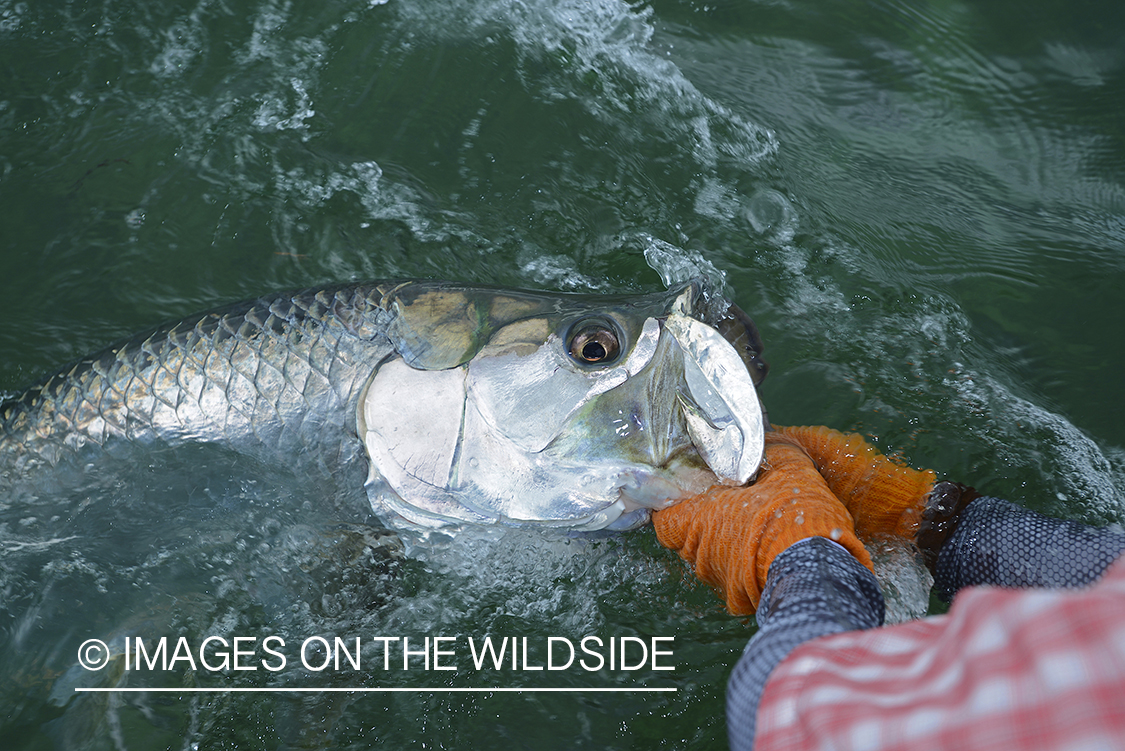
531	397
467	444
409	421
436	457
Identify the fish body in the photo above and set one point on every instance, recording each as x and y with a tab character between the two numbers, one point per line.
273	376
467	404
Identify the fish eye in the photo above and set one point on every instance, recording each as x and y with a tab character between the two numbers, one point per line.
593	343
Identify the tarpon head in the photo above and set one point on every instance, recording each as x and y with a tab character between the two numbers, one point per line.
573	411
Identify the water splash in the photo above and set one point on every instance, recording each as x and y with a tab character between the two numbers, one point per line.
1074	473
676	265
904	581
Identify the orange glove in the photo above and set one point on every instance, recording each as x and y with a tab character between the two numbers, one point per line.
732	535
885	498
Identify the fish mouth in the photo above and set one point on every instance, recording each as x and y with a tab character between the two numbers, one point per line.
718	397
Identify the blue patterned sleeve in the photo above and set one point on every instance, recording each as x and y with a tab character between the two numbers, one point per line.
1002	544
814	588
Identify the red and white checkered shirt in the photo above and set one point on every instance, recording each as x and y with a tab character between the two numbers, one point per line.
1003	669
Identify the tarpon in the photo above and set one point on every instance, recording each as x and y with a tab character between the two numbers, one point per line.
468	404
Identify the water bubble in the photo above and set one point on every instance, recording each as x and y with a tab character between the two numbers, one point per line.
769	212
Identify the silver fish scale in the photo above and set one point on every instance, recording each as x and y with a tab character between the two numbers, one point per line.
280	373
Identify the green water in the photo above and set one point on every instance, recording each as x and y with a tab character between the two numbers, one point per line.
922	204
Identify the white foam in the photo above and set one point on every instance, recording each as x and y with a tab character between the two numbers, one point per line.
11	15
489	576
184	42
557	271
272	114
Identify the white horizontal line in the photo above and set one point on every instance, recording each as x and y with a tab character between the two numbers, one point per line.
367	689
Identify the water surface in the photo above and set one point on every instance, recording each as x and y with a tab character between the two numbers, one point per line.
920	203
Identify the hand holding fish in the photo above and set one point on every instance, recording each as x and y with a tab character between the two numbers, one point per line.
820	671
732	535
815	482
